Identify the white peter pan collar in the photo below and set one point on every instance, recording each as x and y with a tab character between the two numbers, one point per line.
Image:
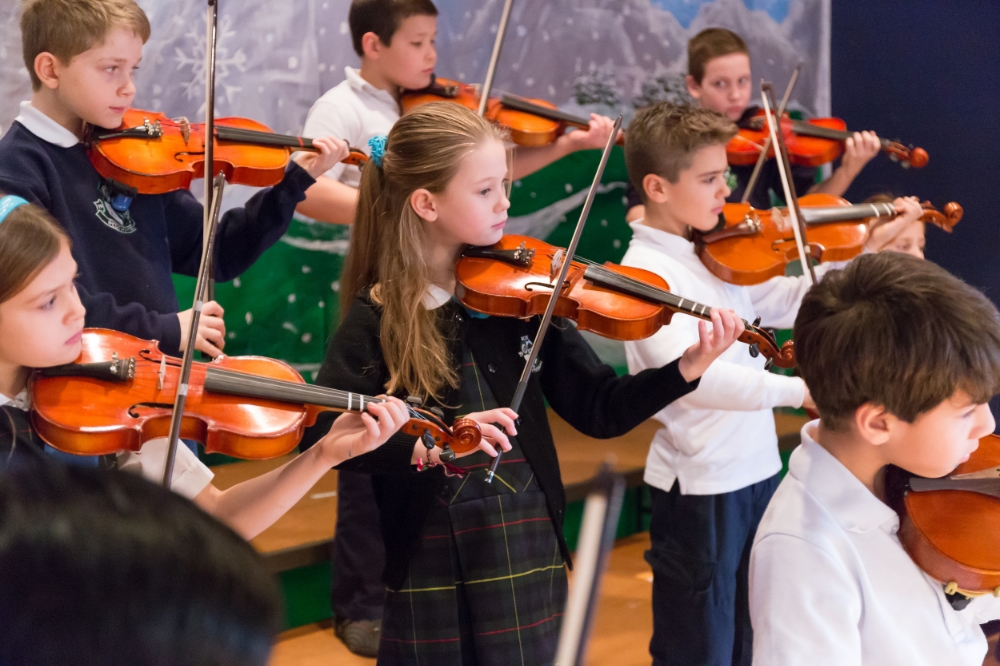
44	127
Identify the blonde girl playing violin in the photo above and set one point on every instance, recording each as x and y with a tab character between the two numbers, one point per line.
41	321
475	570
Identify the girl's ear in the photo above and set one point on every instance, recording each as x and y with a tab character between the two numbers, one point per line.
424	204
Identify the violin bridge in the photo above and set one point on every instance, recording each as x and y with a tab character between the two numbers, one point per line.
556	265
162	374
185	126
991	473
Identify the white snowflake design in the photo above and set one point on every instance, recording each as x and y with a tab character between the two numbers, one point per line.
224	63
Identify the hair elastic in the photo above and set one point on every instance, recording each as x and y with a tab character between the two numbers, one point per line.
9	203
377	144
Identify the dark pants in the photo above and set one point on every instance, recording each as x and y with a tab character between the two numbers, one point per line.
700	557
358	554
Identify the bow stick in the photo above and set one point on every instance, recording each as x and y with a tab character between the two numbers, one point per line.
558	285
767	142
494	58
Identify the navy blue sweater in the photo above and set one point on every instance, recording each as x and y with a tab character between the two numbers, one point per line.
126	260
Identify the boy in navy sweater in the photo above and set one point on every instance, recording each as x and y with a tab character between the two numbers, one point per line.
81	55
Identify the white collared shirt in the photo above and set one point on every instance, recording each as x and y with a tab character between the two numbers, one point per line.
44	127
831	584
191	476
355	111
721	437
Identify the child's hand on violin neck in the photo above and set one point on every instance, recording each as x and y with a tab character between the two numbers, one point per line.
859	150
593	138
493	437
331	151
353	434
883	230
727	327
211	329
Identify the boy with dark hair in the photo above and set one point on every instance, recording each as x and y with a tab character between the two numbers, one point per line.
82	55
101	567
714	464
395	41
719	80
902	358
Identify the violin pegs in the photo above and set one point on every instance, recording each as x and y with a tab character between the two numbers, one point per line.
755	350
438	412
768	364
414	400
756	322
427	439
447	455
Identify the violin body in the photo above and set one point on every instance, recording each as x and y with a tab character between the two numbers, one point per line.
514	278
530	121
126	398
954	535
810	143
155	154
768	246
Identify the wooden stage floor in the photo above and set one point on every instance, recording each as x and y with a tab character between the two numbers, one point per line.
622	627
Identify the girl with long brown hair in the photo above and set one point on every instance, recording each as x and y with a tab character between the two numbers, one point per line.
475	570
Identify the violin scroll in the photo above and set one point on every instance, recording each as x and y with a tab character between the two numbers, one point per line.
947	219
762	342
907	156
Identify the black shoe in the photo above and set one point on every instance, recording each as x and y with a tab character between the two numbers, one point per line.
360	636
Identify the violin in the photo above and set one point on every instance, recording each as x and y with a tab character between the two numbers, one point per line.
154	154
531	122
950	527
514	278
811	143
120	393
756	245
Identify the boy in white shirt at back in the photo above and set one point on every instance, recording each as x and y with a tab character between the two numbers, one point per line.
901	358
714	465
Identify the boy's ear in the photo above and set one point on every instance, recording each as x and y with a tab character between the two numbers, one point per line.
47	69
370	44
873	423
655	188
694	88
423	204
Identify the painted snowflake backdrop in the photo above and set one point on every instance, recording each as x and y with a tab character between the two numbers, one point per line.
276	58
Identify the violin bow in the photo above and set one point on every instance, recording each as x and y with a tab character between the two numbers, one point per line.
767	142
205	287
785	172
558	285
200	289
484	97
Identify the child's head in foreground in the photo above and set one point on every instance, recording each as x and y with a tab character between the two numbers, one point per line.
676	158
719	72
901	355
396	39
82	55
103	567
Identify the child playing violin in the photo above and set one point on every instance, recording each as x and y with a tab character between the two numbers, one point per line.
901	358
905	233
719	80
475	570
82	55
41	320
395	41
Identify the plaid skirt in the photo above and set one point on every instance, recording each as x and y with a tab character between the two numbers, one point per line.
487	585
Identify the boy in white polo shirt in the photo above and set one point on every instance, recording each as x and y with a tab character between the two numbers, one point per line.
395	41
714	464
901	358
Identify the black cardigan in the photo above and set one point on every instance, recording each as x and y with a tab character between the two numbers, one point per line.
580	388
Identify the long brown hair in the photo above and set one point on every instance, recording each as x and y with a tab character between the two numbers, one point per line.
424	150
29	240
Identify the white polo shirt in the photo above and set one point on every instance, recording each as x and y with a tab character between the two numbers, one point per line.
830	583
720	437
355	111
190	477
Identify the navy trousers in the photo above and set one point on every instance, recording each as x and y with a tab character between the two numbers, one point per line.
700	557
358	592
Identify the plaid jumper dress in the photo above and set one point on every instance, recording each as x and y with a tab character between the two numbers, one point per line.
487	584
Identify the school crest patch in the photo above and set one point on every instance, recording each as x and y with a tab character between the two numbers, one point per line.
121	222
526	346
